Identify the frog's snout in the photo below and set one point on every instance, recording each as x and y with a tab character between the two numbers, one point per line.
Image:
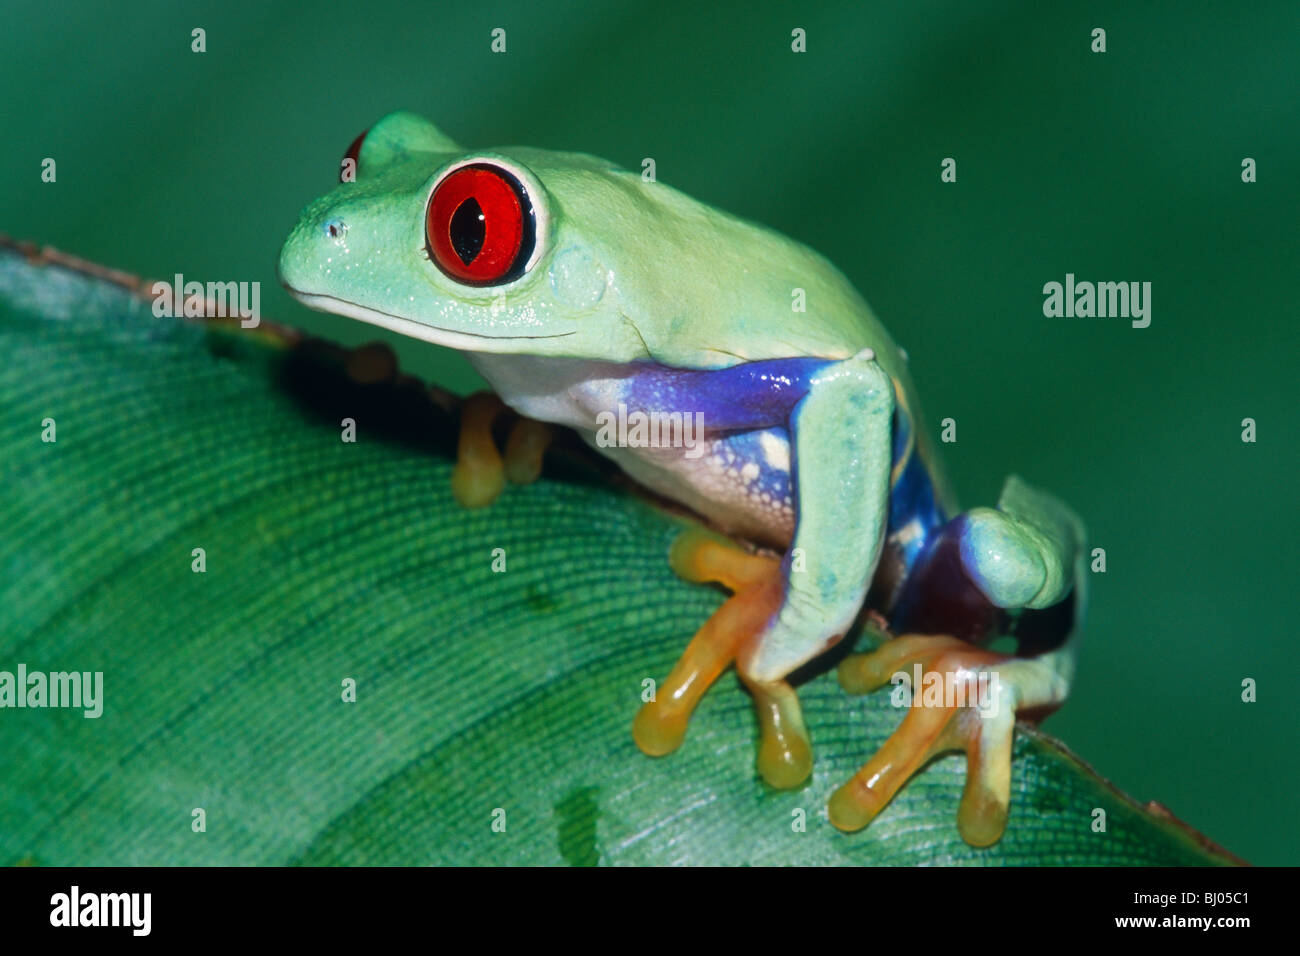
306	253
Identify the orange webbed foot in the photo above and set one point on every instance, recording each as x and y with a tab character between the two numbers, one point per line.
698	556
966	701
481	472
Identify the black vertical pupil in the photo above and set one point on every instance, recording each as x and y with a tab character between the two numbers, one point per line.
467	230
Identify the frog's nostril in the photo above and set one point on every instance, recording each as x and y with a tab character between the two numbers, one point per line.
335	228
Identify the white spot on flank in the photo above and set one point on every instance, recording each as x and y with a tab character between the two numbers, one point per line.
775	452
907	533
749	472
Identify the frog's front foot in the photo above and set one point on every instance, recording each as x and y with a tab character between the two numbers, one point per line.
784	754
481	471
967	700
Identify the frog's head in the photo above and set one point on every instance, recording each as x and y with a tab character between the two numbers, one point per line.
528	251
466	249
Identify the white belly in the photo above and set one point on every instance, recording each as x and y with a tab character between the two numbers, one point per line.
739	481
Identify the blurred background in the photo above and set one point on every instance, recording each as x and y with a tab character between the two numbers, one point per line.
1115	166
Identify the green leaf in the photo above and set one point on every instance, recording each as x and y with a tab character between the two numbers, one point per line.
328	560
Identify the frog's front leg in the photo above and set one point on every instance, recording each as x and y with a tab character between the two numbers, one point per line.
754	581
1027	555
481	471
783	616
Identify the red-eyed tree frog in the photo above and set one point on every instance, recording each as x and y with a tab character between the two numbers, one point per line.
587	295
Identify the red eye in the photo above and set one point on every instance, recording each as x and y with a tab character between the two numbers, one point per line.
480	225
354	154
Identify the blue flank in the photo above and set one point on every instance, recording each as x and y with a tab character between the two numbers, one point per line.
755	398
911	499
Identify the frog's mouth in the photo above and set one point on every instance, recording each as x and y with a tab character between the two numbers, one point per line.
451	338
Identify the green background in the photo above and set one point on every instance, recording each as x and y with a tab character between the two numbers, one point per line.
1115	166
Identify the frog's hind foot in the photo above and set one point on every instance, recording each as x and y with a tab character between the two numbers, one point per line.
967	701
481	472
785	756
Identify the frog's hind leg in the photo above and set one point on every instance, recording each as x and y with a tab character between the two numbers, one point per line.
754	581
1025	555
967	701
481	472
